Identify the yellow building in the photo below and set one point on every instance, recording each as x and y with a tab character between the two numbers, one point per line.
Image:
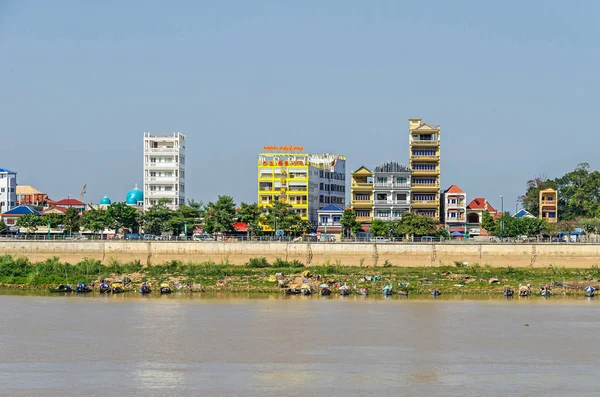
361	196
549	205
424	143
307	182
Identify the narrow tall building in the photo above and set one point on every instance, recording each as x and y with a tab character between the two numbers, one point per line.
424	144
549	205
8	190
361	196
164	169
454	205
391	191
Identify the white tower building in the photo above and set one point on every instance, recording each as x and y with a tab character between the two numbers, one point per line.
8	190
164	169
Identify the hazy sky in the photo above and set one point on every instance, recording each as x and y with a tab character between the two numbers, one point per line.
513	85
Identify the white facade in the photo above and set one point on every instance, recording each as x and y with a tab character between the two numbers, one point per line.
8	190
327	182
391	191
164	169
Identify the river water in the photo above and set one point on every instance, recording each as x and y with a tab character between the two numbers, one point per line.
270	345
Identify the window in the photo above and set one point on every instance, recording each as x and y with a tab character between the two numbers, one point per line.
12	189
381	196
382	213
381	179
424	153
398	213
363	213
401	196
336	219
401	180
324	219
2	190
424	167
362	197
452	215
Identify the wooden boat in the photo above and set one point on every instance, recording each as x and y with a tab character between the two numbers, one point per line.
165	289
117	287
105	288
509	292
145	289
545	292
292	290
403	292
436	292
388	290
362	291
62	288
325	290
589	291
306	289
344	290
524	290
82	288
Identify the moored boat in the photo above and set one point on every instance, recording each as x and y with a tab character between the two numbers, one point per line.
509	292
164	288
545	291
306	289
344	290
589	291
388	290
436	292
292	290
62	288
145	288
524	290
105	288
325	290
403	292
362	291
82	288
117	287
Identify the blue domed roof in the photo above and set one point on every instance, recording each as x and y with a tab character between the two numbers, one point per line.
105	201
134	196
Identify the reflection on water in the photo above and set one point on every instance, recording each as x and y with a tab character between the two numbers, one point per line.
257	344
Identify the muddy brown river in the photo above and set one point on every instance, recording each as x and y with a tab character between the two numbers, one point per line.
271	345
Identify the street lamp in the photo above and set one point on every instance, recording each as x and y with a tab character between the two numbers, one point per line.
502	218
48	230
185	230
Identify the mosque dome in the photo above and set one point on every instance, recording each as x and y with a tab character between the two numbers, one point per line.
134	196
105	201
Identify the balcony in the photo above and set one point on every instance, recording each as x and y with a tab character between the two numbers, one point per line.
455	220
390	218
426	158
362	203
422	142
167	166
458	206
390	202
364	219
163	193
167	150
425	203
391	185
425	172
425	188
362	184
163	179
548	203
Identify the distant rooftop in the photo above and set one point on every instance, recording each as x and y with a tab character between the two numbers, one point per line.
391	166
6	171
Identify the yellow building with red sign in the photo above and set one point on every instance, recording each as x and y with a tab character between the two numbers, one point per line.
307	182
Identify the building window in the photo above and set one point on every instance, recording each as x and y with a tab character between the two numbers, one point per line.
363	213
324	219
424	153
336	219
381	179
2	190
398	213
382	213
362	197
401	196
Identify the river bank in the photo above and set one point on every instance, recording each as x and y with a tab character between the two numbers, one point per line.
258	275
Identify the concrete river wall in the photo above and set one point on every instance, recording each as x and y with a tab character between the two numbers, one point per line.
348	254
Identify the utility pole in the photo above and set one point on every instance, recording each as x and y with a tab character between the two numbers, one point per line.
502	218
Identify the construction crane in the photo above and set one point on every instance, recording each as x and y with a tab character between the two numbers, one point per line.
82	194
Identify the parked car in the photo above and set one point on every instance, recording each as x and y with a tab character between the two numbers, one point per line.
149	237
133	236
202	237
380	240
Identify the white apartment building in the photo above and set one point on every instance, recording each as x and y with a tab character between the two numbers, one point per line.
164	169
329	186
8	190
391	191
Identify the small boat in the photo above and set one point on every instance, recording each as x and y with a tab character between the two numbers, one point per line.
117	287
362	291
105	288
325	290
292	290
589	291
403	292
145	288
82	288
524	291
164	288
509	292
306	289
388	290
62	288
436	292
544	291
344	290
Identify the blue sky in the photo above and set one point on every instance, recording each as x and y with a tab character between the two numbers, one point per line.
512	84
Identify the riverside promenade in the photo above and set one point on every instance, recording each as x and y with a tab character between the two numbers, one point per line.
346	254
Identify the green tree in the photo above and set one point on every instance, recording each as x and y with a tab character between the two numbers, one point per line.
2	225
349	222
590	226
121	215
416	225
250	214
30	221
220	216
157	218
282	216
72	219
95	220
190	215
487	222
55	220
380	228
531	199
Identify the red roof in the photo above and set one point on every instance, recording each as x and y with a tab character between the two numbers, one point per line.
480	203
70	202
240	227
454	189
53	207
